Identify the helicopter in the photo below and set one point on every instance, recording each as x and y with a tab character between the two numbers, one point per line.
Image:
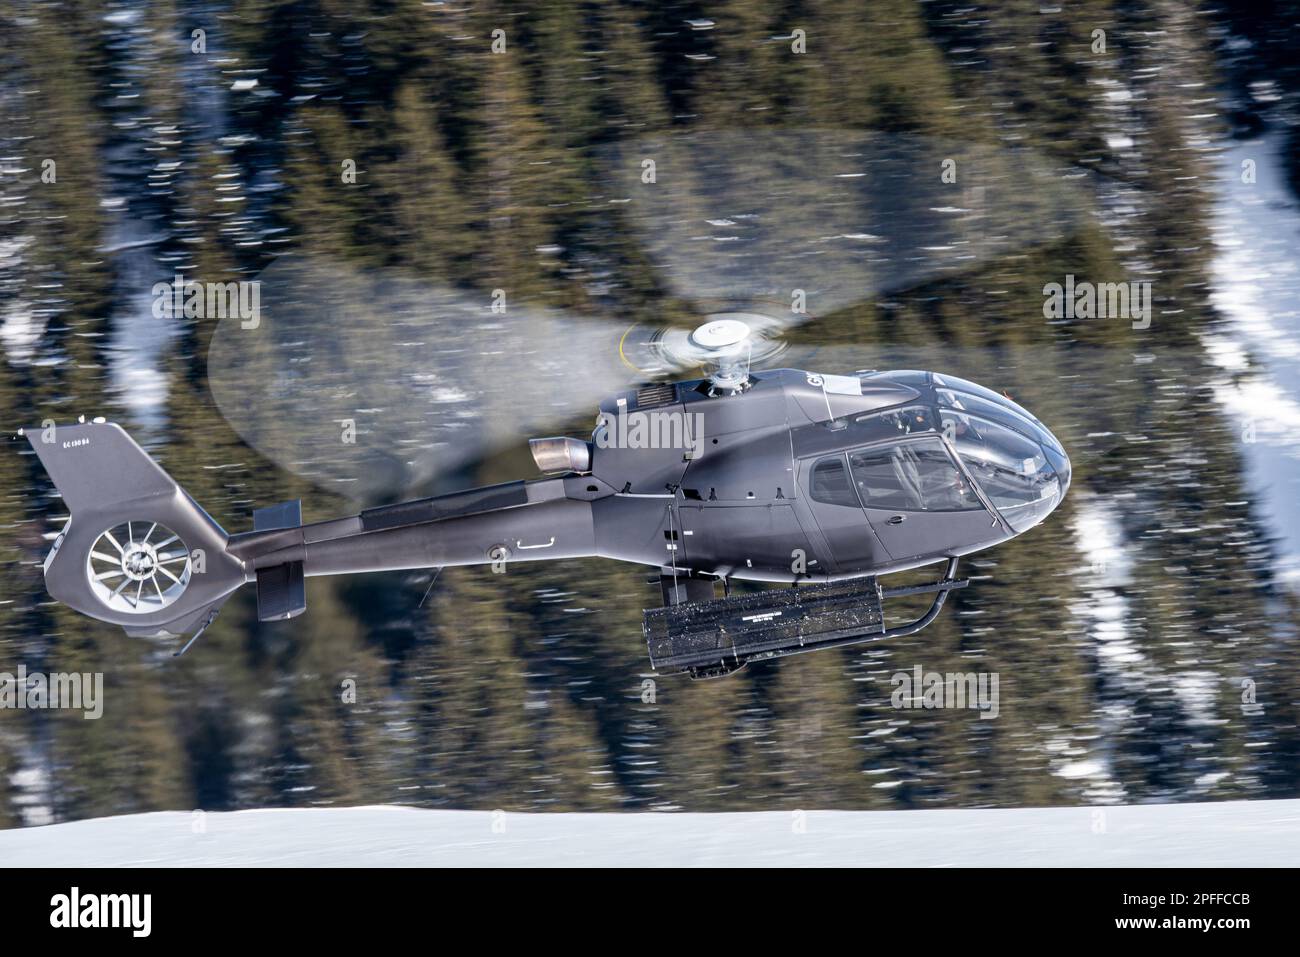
715	459
820	483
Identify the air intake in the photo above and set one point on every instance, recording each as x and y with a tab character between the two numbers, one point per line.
657	393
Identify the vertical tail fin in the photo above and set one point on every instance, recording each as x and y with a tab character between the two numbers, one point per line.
137	550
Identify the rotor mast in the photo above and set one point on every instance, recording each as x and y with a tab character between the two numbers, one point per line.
727	347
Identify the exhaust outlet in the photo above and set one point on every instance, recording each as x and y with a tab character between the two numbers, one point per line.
561	454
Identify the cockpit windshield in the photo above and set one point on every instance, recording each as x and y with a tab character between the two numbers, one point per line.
1003	411
1012	470
951	382
1019	465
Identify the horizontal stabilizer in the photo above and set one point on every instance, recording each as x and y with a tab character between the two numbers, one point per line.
281	515
281	589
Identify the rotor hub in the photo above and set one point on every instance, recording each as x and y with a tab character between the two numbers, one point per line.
139	561
722	334
726	344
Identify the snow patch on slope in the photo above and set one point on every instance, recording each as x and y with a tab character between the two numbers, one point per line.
1258	833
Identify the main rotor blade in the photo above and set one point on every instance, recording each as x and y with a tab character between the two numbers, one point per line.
372	383
821	219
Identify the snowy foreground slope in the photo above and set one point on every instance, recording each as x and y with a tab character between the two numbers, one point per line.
1263	833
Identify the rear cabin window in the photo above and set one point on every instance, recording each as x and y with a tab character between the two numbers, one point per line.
830	483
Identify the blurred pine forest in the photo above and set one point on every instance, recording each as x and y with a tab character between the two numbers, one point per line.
525	690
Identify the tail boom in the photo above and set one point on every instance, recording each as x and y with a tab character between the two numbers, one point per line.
139	552
523	521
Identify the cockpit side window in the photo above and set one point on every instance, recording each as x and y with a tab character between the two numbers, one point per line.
830	483
912	476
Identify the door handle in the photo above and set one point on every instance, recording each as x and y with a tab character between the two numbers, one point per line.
897	520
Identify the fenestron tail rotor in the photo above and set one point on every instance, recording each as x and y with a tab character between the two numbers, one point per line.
136	550
138	567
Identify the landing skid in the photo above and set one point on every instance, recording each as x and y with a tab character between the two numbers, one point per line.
708	639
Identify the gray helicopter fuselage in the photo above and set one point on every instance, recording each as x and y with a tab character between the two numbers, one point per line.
693	483
795	477
735	499
728	501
